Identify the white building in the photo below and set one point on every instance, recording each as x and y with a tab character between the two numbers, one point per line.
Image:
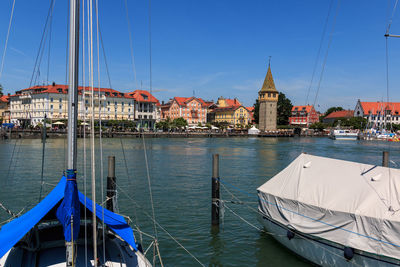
378	113
29	106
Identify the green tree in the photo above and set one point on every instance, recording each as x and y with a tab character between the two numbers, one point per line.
256	111
355	123
319	126
284	109
180	123
1	90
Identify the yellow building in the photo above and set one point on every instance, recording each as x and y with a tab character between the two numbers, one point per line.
232	112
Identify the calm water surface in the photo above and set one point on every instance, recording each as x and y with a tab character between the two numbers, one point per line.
180	171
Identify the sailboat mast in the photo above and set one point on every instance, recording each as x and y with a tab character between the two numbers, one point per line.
73	83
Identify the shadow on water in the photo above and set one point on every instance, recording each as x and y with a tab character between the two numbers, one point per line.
217	247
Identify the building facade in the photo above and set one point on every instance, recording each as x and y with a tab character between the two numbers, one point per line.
5	108
268	99
147	109
192	109
231	111
378	113
303	116
30	106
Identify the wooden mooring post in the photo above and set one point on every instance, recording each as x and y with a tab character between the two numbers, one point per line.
111	185
385	159
215	191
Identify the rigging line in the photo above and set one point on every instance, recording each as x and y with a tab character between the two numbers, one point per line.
391	19
100	128
319	50
327	52
130	179
105	58
149	183
94	219
155	222
131	43
49	48
42	49
41	41
83	110
8	35
11	159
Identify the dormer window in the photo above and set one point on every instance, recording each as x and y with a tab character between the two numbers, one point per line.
59	90
145	97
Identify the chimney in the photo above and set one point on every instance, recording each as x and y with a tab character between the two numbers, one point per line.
54	84
162	102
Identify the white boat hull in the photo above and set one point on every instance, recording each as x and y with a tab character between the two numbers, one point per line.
320	251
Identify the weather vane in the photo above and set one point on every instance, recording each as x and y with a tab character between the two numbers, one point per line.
269	61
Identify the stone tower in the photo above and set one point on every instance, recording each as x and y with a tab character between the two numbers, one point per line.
268	98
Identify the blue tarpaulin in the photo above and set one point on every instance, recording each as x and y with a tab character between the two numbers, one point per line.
68	213
13	231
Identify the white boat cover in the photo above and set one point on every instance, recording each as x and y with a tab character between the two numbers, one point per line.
353	204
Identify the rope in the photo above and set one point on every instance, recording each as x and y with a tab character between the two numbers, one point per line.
8	35
83	109
162	228
129	179
327	52
100	128
391	18
319	50
131	43
149	183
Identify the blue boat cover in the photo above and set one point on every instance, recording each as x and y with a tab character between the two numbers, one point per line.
68	213
13	231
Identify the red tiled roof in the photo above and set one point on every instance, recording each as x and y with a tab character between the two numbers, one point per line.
375	107
62	89
232	102
143	96
340	114
299	108
4	98
182	101
250	109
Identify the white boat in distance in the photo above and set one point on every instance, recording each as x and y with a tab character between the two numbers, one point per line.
340	134
334	212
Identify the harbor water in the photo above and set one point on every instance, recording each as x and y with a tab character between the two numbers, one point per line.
180	177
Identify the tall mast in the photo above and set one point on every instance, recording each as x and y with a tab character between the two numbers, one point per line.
73	83
73	62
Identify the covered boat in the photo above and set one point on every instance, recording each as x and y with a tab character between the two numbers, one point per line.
335	212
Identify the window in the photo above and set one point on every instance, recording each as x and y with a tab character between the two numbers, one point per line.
51	106
51	99
60	100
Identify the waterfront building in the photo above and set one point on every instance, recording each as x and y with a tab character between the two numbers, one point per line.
268	98
338	115
378	113
147	109
303	116
192	109
4	109
29	106
231	111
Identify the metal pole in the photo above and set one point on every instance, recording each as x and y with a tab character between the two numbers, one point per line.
73	61
111	185
385	159
215	191
73	83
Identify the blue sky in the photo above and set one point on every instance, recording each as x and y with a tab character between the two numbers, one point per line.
221	48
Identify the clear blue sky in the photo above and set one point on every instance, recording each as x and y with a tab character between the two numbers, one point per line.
221	48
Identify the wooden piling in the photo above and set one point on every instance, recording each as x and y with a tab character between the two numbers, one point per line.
385	159
215	191
111	185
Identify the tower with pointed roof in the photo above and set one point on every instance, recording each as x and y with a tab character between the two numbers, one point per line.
268	98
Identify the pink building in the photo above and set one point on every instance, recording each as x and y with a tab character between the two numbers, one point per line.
192	109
